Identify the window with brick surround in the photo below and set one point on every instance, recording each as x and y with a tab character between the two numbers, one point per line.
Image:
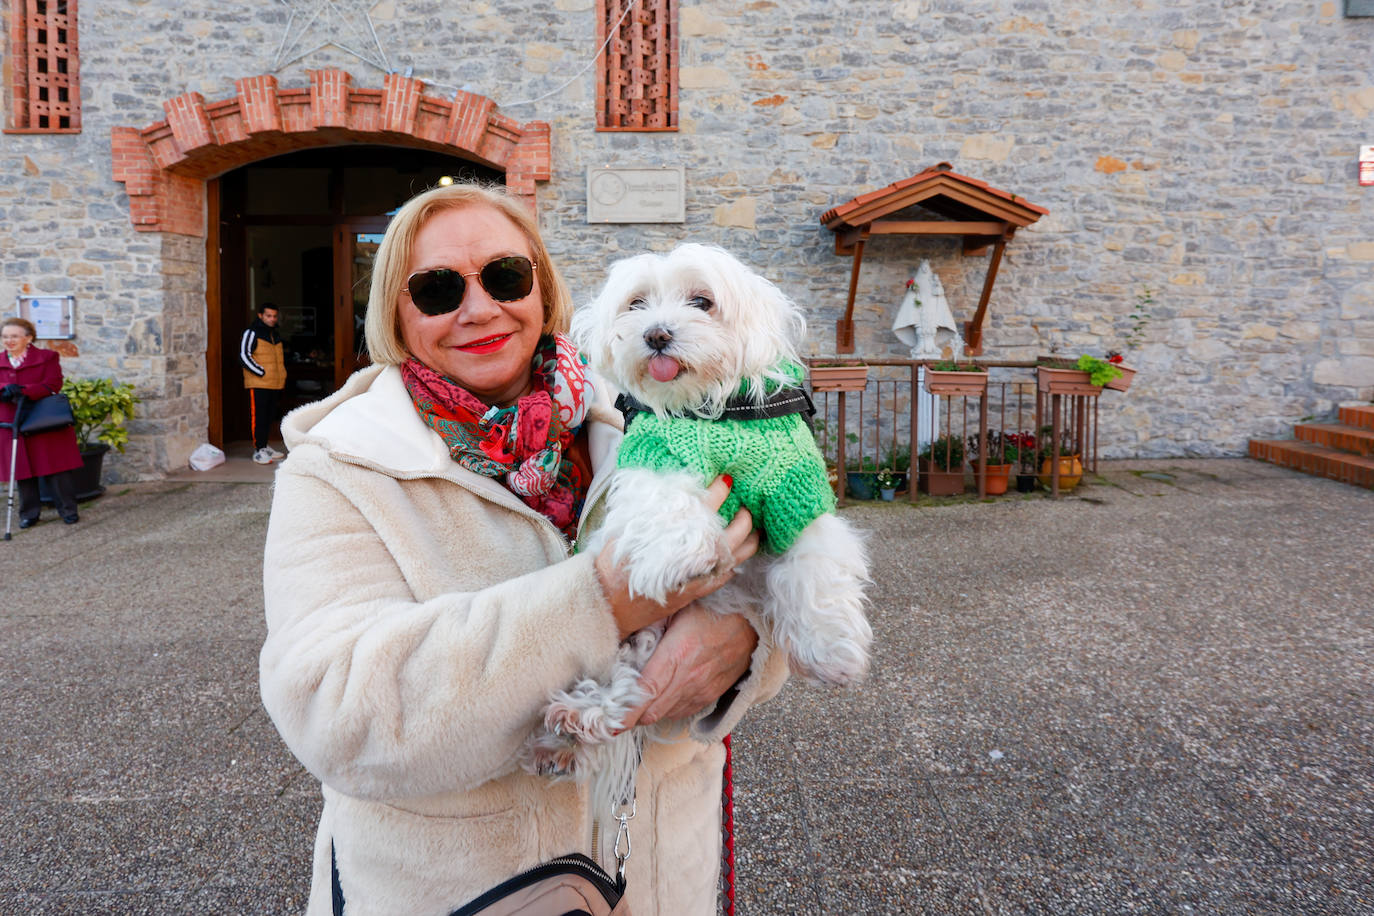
45	91
636	85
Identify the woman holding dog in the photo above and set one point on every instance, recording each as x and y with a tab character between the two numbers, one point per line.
423	596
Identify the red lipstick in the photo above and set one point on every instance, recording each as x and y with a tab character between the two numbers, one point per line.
486	344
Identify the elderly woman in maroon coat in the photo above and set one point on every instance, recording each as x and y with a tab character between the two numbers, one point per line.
30	372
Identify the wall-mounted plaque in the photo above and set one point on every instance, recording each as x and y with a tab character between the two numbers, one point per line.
636	195
54	317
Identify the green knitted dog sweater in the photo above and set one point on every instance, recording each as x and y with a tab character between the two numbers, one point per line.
779	474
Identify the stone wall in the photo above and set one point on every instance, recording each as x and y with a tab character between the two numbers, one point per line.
1206	153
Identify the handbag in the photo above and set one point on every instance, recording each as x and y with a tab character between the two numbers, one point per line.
568	884
44	414
571	884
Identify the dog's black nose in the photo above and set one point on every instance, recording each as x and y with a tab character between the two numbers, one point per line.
657	339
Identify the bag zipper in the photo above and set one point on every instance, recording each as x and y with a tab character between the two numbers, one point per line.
610	890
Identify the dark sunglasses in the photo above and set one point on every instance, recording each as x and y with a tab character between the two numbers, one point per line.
440	291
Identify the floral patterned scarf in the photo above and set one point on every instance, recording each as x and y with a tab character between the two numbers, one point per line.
528	442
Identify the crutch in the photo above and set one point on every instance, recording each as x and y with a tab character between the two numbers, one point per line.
13	427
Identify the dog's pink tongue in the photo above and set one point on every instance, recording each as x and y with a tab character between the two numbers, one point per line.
663	368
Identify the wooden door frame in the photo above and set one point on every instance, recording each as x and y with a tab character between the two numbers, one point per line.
344	232
214	336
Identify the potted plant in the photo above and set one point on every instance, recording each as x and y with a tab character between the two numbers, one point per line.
861	478
1021	449
941	466
898	461
1060	376
1070	464
839	376
1002	456
1140	317
1100	371
886	481
954	378
100	406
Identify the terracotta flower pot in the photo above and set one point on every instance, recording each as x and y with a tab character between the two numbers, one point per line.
839	378
1122	382
998	477
937	481
1065	381
1070	472
967	384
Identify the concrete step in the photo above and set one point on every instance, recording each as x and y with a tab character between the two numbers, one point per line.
1316	459
1341	436
1360	416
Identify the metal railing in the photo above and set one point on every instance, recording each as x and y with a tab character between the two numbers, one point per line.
889	422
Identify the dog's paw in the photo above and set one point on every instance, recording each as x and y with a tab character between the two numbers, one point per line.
657	576
580	715
841	664
816	602
547	754
665	531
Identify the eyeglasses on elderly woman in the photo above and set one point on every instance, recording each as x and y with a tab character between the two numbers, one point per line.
440	290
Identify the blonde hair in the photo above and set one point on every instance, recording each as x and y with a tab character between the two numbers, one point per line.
389	269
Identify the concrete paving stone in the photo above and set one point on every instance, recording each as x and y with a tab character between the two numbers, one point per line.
885	827
1174	665
834	739
1052	892
158	845
148	844
1184	819
1312	819
776	859
777	895
899	892
269	900
265	840
1031	824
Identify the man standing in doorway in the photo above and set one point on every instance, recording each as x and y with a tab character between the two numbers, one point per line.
264	375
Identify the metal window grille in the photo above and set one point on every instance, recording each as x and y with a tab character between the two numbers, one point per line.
637	84
47	89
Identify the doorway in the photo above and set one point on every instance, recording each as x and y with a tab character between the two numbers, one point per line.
299	231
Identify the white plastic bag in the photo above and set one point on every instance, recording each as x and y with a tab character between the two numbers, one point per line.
206	457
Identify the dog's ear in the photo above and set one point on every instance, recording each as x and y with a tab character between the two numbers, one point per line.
769	325
586	334
593	325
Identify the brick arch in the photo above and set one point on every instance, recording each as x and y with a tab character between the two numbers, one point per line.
164	166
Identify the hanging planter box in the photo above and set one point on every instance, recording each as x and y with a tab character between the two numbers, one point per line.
1124	380
1065	381
839	378
968	384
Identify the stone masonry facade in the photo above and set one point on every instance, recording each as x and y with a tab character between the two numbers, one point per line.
1203	151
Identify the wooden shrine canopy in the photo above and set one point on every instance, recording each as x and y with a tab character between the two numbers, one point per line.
981	214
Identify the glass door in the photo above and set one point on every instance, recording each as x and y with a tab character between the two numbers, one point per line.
355	245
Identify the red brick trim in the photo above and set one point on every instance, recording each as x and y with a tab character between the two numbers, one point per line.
45	67
165	165
636	86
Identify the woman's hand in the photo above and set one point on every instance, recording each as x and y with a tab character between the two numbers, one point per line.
702	655
635	612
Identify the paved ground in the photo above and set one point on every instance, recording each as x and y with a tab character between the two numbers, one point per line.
1152	697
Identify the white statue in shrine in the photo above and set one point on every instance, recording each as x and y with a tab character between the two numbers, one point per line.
924	322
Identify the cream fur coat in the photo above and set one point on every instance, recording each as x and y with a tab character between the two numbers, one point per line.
418	616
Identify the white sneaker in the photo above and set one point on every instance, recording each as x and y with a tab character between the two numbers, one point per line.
262	456
274	453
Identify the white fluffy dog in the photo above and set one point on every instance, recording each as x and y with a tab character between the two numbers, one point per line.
706	347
